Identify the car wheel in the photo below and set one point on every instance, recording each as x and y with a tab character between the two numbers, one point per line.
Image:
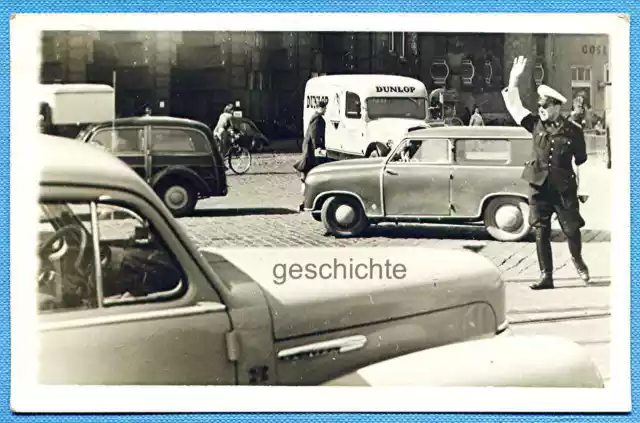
507	219
344	216
179	197
316	216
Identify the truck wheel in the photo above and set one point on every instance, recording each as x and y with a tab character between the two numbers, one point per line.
179	196
507	219
343	216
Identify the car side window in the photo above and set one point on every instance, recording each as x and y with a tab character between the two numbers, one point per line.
353	109
483	151
134	263
119	140
431	151
178	140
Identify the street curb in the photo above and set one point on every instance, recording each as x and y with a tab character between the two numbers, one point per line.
594	280
523	317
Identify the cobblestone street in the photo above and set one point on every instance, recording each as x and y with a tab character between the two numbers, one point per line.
261	210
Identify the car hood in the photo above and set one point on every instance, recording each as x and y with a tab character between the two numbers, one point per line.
302	304
392	129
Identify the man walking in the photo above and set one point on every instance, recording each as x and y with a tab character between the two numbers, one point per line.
553	183
313	139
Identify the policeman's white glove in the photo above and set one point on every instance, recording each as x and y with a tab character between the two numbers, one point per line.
517	70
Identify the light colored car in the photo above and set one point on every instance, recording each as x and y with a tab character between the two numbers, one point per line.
434	175
126	298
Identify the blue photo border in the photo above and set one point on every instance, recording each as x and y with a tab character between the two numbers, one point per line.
360	6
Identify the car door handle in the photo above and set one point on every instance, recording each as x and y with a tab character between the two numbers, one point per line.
341	345
391	172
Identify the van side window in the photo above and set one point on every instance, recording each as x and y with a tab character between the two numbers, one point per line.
121	140
429	151
353	106
483	152
175	140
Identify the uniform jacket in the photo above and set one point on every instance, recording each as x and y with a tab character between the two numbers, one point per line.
555	146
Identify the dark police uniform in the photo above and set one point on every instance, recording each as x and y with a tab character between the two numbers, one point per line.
554	186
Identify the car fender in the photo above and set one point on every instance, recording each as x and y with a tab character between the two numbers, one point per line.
500	361
183	172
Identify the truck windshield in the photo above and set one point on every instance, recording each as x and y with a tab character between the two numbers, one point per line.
396	107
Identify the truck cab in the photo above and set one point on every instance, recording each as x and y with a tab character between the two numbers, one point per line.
366	114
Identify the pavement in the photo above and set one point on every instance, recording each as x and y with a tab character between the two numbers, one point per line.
261	210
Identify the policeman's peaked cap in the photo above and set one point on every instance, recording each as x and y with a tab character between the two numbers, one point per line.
546	92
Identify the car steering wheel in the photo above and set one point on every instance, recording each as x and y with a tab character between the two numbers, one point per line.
46	247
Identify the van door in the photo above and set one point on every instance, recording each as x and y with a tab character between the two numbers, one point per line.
416	179
352	124
334	133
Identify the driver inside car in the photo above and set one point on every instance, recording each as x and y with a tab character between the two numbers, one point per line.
132	266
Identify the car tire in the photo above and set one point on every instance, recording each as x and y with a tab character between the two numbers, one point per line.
507	219
343	216
179	196
316	216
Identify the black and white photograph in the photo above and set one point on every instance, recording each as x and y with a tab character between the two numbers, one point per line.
409	204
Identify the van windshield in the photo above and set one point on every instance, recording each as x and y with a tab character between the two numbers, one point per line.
396	107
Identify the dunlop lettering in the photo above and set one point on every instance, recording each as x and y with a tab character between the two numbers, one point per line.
396	89
314	100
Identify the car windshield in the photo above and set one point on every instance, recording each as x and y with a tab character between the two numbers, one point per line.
396	107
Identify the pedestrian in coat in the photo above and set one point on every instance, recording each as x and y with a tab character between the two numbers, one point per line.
558	145
313	139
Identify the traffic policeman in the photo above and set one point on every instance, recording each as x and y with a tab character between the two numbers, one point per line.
558	145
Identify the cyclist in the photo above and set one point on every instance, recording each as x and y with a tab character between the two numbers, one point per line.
223	130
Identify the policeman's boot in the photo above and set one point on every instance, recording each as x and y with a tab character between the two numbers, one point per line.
545	259
575	248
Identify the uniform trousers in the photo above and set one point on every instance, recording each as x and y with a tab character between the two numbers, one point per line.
544	201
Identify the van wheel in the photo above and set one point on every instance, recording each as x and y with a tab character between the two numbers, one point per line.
507	219
375	152
343	216
179	196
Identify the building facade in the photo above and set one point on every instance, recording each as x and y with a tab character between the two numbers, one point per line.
194	74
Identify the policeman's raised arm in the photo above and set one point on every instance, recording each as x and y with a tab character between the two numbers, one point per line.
511	96
579	146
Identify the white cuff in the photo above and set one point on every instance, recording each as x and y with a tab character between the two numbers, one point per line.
514	104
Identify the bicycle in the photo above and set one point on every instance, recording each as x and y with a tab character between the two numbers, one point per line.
238	157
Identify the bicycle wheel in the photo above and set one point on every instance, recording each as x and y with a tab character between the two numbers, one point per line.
239	159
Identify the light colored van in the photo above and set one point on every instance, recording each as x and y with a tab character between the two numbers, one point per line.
366	114
73	106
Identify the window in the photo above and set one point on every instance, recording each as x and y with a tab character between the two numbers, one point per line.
396	107
581	83
483	151
173	140
433	151
135	265
353	106
120	140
